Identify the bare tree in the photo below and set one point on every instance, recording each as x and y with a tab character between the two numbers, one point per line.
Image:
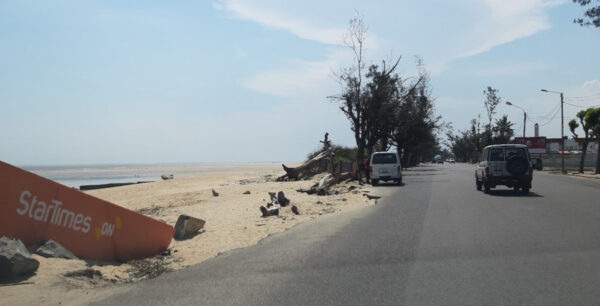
352	98
491	101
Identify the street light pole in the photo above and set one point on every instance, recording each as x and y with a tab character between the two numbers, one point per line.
562	129
524	124
524	116
562	133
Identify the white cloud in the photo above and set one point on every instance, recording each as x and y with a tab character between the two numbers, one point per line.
506	21
301	78
282	20
593	85
511	69
475	27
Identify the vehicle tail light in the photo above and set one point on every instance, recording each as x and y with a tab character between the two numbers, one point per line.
528	174
487	170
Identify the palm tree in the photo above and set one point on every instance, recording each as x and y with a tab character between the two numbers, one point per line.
503	130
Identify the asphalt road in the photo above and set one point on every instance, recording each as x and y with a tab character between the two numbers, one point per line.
434	241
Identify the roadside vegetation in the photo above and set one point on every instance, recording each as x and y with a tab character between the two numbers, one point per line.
466	145
589	121
386	110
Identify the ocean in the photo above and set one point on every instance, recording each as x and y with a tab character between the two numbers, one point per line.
76	176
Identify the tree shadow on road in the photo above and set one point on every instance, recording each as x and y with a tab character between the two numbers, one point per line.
421	174
387	185
512	193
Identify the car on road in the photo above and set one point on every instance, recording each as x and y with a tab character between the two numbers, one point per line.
385	166
450	161
507	165
437	160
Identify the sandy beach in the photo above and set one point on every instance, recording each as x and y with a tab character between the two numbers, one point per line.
233	220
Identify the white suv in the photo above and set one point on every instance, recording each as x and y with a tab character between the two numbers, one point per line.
507	165
385	166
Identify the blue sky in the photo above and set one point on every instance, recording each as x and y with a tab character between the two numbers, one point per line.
87	82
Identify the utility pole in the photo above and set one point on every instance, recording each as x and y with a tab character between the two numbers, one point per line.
524	124
562	129
562	133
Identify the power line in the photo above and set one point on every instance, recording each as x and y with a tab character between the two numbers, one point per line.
553	117
583	97
550	114
582	106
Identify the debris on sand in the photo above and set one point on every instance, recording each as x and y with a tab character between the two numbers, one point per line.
187	227
15	259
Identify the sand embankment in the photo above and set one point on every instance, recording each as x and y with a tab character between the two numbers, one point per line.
233	220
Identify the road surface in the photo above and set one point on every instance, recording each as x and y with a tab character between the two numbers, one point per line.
434	241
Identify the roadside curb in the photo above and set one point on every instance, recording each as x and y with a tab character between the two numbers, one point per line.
573	174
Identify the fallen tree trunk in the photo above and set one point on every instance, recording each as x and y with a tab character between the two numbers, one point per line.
323	186
305	169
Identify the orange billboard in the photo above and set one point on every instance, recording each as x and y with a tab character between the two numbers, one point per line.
34	209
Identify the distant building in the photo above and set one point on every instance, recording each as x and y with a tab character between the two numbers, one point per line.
536	145
543	145
571	145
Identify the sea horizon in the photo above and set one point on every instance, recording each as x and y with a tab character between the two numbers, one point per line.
75	176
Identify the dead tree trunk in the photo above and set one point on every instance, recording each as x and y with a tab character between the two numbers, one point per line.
307	167
323	186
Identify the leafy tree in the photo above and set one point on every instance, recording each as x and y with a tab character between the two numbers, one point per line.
383	95
592	118
414	131
585	126
592	13
383	108
503	131
465	145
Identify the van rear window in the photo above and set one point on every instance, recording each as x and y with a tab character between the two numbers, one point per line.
510	152
385	159
496	154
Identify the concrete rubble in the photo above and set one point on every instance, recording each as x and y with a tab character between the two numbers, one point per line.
187	226
278	200
52	249
15	259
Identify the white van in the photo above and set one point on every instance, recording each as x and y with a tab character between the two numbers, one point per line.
385	166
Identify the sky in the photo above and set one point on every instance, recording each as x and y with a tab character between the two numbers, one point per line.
228	81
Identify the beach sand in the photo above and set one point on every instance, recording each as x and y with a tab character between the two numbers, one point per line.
233	220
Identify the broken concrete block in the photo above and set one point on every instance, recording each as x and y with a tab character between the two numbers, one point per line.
283	201
273	196
187	226
51	249
15	259
271	211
